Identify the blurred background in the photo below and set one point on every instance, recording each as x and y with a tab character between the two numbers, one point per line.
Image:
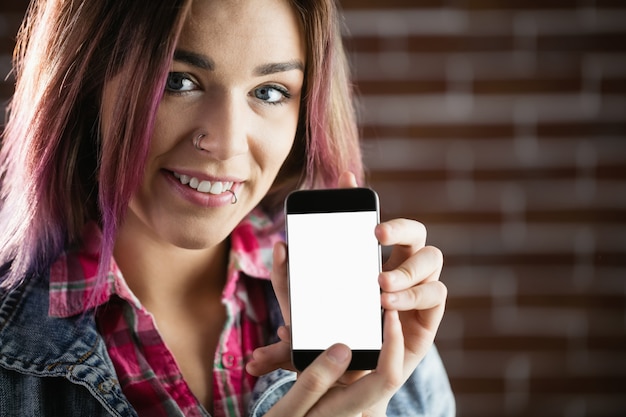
501	125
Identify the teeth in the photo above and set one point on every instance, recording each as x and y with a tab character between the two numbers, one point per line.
215	187
204	187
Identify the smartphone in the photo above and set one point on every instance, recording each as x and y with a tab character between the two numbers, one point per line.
334	260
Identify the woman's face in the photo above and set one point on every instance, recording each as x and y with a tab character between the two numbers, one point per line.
236	78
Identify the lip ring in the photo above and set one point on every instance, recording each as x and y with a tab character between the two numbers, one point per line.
234	199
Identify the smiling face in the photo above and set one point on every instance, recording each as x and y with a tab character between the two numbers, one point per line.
236	82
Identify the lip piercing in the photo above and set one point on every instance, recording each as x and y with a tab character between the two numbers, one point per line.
196	141
234	200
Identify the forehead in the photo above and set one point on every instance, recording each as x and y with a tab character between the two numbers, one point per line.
242	29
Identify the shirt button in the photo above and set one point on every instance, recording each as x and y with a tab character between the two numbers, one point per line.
228	360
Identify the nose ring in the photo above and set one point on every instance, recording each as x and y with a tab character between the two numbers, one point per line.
196	141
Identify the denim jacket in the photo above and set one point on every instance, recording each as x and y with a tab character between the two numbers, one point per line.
60	367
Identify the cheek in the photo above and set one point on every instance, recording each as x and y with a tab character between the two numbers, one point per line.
167	130
278	137
282	145
274	155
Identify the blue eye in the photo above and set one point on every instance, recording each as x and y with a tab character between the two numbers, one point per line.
271	94
179	82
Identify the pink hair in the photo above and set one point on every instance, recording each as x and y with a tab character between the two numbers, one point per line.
327	141
59	169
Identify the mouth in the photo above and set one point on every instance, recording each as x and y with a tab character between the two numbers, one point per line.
203	186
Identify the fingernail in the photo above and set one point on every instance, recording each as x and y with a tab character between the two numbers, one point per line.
338	353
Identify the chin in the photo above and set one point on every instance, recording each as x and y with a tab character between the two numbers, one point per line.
198	239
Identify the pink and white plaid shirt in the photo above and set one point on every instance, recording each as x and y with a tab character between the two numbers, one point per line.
146	369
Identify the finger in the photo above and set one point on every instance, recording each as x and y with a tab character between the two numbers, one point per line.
420	328
280	280
376	387
351	376
392	354
404	232
407	237
313	383
347	180
424	265
421	297
269	358
284	333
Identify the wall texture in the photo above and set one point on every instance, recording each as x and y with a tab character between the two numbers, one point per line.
501	125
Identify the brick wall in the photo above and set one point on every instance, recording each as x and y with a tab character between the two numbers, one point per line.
502	126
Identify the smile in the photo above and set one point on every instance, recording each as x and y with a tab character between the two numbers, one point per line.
207	187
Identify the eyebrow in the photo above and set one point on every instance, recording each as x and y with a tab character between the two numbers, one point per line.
206	63
194	59
268	69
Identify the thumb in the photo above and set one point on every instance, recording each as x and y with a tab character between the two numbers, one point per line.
314	382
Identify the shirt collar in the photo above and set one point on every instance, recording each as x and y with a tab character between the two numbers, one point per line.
75	289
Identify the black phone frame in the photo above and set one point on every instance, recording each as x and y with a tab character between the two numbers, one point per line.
329	201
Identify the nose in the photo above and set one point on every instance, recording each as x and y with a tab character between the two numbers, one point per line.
226	128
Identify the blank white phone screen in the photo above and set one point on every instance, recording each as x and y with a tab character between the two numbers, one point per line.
334	262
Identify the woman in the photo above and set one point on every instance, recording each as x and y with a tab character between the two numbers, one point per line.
148	150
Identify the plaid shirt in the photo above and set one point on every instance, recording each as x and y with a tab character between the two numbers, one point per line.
147	371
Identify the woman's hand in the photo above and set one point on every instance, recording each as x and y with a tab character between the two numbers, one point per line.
414	302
